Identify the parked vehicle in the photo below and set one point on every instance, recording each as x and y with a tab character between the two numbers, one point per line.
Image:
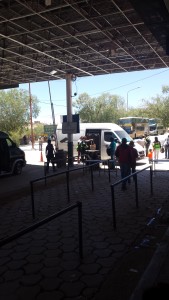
100	134
156	127
135	126
12	158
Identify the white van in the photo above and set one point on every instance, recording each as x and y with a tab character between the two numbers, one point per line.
101	134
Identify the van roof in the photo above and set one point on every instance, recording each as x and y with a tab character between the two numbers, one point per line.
3	135
103	126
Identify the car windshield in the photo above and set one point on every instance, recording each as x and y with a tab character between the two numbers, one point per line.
123	134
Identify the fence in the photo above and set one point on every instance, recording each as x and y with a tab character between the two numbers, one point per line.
48	219
90	166
134	175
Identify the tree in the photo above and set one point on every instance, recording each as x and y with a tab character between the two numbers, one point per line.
158	107
105	108
15	110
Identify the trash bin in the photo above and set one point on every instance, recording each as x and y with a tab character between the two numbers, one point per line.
60	158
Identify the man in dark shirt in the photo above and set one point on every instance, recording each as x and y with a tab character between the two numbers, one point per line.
50	155
123	154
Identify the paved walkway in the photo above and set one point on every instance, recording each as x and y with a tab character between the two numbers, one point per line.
45	263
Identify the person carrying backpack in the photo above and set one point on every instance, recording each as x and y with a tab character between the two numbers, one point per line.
123	153
147	142
112	148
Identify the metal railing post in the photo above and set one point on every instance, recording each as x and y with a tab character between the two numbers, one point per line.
32	201
109	169
113	207
80	229
67	183
91	169
136	189
151	180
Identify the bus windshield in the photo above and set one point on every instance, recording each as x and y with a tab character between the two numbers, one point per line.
156	127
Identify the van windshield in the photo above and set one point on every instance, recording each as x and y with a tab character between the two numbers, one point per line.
123	134
116	135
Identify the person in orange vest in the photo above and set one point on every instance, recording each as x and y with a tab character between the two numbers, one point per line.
150	156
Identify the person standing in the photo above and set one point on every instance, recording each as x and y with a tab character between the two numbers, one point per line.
50	155
134	156
156	148
166	147
147	142
40	143
78	148
83	148
112	147
123	154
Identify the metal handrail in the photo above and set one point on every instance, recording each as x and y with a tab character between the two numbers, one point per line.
48	219
67	182
136	190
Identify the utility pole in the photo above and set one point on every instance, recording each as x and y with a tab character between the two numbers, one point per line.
51	103
32	136
53	117
128	95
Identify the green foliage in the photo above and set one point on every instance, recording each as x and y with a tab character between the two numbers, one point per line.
157	107
38	130
15	136
105	108
109	108
15	110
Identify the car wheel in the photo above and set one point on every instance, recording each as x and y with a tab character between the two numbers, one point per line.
18	168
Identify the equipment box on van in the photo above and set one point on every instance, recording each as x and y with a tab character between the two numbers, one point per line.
12	158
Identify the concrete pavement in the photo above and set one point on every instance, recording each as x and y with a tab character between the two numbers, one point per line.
45	264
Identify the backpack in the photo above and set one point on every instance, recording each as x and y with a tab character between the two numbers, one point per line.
108	150
147	140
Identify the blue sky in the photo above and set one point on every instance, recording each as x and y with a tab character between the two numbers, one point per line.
137	85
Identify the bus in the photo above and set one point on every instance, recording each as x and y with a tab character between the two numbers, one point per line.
156	127
135	126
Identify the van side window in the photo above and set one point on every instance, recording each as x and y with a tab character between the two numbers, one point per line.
9	142
108	135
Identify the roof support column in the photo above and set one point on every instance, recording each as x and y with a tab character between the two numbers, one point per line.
69	117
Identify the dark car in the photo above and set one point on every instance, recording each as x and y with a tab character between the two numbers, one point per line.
12	158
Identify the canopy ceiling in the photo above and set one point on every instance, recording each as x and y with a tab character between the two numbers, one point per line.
81	37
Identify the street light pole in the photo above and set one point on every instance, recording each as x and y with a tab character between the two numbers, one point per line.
128	93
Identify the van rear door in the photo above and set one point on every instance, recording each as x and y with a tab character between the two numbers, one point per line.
105	138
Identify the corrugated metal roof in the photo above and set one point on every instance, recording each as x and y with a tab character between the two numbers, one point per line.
81	37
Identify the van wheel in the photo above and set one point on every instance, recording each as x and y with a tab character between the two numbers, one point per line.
18	168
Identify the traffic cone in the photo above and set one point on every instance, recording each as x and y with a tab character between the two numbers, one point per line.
41	157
